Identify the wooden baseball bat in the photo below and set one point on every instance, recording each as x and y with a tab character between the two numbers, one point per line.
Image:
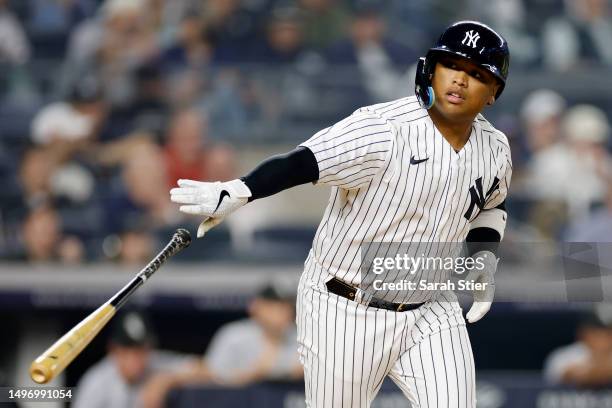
57	357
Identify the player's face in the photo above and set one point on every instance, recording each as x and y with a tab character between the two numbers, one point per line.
130	361
462	88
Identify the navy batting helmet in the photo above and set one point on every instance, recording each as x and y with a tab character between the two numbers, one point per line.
468	39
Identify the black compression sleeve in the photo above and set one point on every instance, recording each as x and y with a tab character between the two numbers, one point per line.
281	172
482	239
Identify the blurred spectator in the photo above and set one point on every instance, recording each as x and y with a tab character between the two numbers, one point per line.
132	360
188	155
14	45
77	119
580	37
43	240
64	129
232	29
37	167
325	22
577	169
58	16
113	44
238	102
136	246
168	16
144	179
184	87
284	39
379	59
147	110
588	361
263	347
510	19
193	48
541	114
596	227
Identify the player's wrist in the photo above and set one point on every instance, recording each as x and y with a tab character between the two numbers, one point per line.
238	189
488	259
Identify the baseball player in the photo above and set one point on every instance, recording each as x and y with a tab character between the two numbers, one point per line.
423	169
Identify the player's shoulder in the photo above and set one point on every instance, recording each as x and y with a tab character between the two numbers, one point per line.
238	329
498	139
101	372
396	110
397	113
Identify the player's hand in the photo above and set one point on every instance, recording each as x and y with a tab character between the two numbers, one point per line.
214	200
482	298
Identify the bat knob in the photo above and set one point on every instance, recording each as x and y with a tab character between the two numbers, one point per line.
183	237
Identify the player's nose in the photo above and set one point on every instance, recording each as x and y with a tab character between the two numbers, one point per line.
460	78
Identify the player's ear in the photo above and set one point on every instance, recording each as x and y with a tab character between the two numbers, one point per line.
491	100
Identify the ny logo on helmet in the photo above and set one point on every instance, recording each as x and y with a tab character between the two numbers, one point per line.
471	37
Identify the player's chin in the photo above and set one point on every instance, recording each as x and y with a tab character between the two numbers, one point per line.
460	110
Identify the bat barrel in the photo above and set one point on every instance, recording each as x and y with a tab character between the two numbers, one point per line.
63	351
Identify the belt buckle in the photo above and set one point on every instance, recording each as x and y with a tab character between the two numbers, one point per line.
401	307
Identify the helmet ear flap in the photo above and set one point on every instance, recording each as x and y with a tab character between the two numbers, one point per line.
422	83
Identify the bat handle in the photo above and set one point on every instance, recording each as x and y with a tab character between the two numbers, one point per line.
181	239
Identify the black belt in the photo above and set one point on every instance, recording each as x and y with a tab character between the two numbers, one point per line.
337	287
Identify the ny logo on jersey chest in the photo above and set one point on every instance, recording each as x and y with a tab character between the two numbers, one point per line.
478	198
471	38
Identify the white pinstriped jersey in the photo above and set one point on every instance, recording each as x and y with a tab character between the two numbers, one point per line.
378	195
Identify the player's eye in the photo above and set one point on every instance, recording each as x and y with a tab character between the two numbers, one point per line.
448	64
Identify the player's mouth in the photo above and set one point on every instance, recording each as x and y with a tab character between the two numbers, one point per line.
455	97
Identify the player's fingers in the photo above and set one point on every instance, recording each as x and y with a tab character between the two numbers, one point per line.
188	199
207	224
477	311
193	209
185	190
191	183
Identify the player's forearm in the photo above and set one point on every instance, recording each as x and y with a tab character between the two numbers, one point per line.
281	172
487	230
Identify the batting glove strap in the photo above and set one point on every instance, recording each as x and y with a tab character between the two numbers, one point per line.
238	189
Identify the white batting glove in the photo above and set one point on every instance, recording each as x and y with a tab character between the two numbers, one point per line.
214	200
482	298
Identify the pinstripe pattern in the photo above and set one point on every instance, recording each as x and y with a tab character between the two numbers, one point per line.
348	348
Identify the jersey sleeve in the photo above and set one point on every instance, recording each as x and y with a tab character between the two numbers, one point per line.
351	152
504	175
493	214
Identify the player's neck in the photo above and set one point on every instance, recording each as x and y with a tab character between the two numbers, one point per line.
456	133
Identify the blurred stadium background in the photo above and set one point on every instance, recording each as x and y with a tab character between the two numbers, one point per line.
105	104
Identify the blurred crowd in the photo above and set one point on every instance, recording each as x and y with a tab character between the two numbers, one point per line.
104	104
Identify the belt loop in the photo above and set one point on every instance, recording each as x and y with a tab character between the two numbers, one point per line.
362	297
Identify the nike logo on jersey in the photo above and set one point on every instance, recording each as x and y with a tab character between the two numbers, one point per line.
223	194
417	161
